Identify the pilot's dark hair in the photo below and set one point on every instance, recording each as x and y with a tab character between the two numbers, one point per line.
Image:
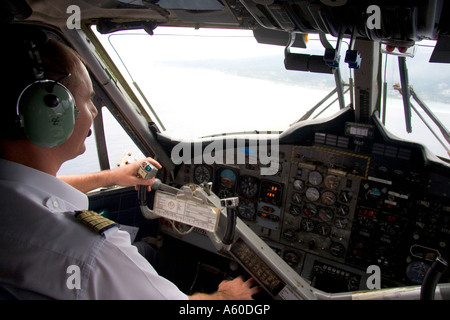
17	69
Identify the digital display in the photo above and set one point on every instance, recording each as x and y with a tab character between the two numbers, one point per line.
369	213
271	192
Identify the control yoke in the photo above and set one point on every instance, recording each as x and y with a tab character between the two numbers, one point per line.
192	205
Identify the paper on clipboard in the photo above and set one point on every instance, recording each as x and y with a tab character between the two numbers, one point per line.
192	213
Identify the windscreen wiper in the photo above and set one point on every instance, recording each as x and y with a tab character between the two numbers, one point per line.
405	92
428	111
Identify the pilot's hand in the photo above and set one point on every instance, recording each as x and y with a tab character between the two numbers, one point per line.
236	289
127	175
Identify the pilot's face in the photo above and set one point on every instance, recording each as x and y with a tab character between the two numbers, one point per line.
81	88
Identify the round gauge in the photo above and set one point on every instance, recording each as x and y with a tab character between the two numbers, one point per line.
249	186
342	210
337	249
341	223
328	198
325	214
331	182
289	235
323	229
295	211
315	178
227	178
312	194
299	185
346	196
310	210
307	225
297	198
227	184
201	174
291	258
416	271
246	209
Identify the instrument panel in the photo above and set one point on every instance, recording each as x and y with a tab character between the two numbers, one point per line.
334	209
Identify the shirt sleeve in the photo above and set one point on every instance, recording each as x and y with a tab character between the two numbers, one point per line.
120	272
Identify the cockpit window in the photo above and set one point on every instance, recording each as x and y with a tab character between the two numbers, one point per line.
209	81
430	82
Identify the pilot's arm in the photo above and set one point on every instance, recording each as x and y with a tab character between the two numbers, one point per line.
123	176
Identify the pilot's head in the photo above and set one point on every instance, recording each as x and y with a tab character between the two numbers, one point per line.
47	91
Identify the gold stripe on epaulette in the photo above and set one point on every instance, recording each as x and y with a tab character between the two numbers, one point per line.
94	221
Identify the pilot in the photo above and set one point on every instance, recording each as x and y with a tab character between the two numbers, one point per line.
50	245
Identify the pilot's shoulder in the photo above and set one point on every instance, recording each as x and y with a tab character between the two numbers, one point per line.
95	221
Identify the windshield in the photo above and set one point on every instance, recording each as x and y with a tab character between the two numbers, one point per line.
431	83
205	82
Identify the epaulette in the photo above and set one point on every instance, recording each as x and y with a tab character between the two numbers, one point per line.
94	221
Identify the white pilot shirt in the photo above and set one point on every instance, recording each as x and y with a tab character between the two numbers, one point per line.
46	253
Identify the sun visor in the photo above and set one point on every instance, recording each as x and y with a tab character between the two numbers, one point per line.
276	37
441	52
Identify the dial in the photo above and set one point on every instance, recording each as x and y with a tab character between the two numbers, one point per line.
312	194
289	235
299	185
328	198
315	178
326	214
227	178
416	271
310	210
323	229
331	182
297	198
342	210
249	186
341	223
295	211
291	258
227	183
246	209
337	249
201	174
346	196
307	225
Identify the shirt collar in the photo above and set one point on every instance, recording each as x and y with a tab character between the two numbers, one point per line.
55	194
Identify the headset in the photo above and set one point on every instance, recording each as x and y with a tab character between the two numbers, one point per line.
46	109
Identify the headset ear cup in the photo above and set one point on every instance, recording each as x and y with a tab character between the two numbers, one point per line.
47	113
